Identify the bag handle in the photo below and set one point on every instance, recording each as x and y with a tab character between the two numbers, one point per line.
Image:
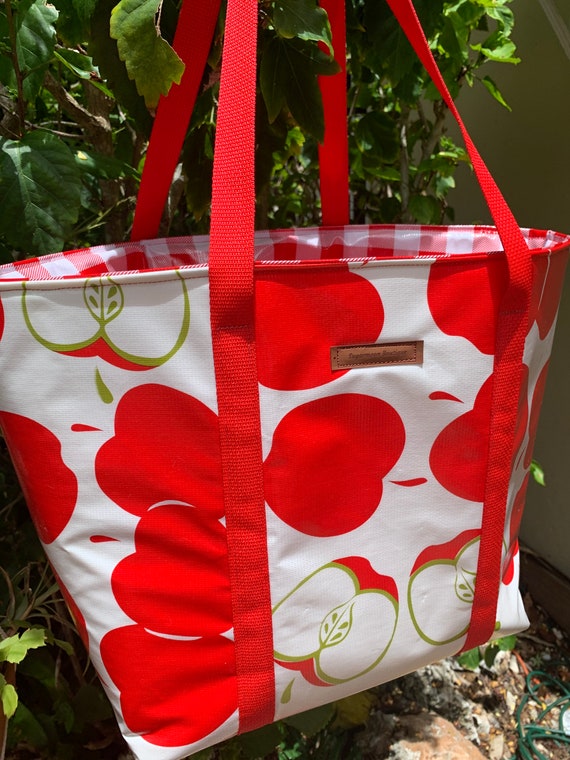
232	316
192	40
196	25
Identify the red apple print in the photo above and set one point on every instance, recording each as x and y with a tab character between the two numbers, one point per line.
49	486
547	288
515	518
324	472
302	317
448	570
348	621
458	458
74	611
177	581
166	448
1	319
173	692
464	299
537	397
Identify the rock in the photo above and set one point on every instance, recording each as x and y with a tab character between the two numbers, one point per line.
431	737
497	747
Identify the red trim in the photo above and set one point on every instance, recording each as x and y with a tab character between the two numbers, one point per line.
333	153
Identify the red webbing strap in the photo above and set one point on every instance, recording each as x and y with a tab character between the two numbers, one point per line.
511	334
333	153
192	40
233	337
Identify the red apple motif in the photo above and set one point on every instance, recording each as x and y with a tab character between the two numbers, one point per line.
537	398
464	298
301	317
446	572
49	486
74	611
458	458
338	623
324	472
174	692
177	581
515	518
166	448
547	289
1	319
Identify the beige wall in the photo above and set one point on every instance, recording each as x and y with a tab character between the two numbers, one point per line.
528	152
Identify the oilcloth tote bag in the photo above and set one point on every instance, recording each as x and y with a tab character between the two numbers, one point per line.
272	469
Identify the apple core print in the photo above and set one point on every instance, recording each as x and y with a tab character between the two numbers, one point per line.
173	692
302	317
166	448
328	457
458	458
448	571
49	486
101	308
348	622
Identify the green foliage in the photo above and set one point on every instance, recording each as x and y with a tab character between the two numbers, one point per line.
79	80
149	59
486	655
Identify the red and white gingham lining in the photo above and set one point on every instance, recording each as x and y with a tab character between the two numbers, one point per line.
355	242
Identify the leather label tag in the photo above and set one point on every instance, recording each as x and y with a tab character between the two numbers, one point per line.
377	355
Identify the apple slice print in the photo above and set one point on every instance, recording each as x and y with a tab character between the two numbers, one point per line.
447	572
328	457
458	458
174	692
464	299
49	486
177	581
337	624
302	317
93	319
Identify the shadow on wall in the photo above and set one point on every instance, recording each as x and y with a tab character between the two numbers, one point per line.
528	151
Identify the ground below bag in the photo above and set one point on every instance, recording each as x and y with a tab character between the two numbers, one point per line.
275	468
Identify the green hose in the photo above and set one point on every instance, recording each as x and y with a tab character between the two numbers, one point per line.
531	733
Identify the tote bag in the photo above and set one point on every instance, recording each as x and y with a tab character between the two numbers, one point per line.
273	469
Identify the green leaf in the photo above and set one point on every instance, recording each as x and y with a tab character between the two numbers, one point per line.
105	55
288	77
490	654
102	167
8	697
498	48
495	92
81	65
470	659
303	19
150	61
15	648
260	743
507	643
376	135
35	42
537	473
40	187
425	209
312	721
25	727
